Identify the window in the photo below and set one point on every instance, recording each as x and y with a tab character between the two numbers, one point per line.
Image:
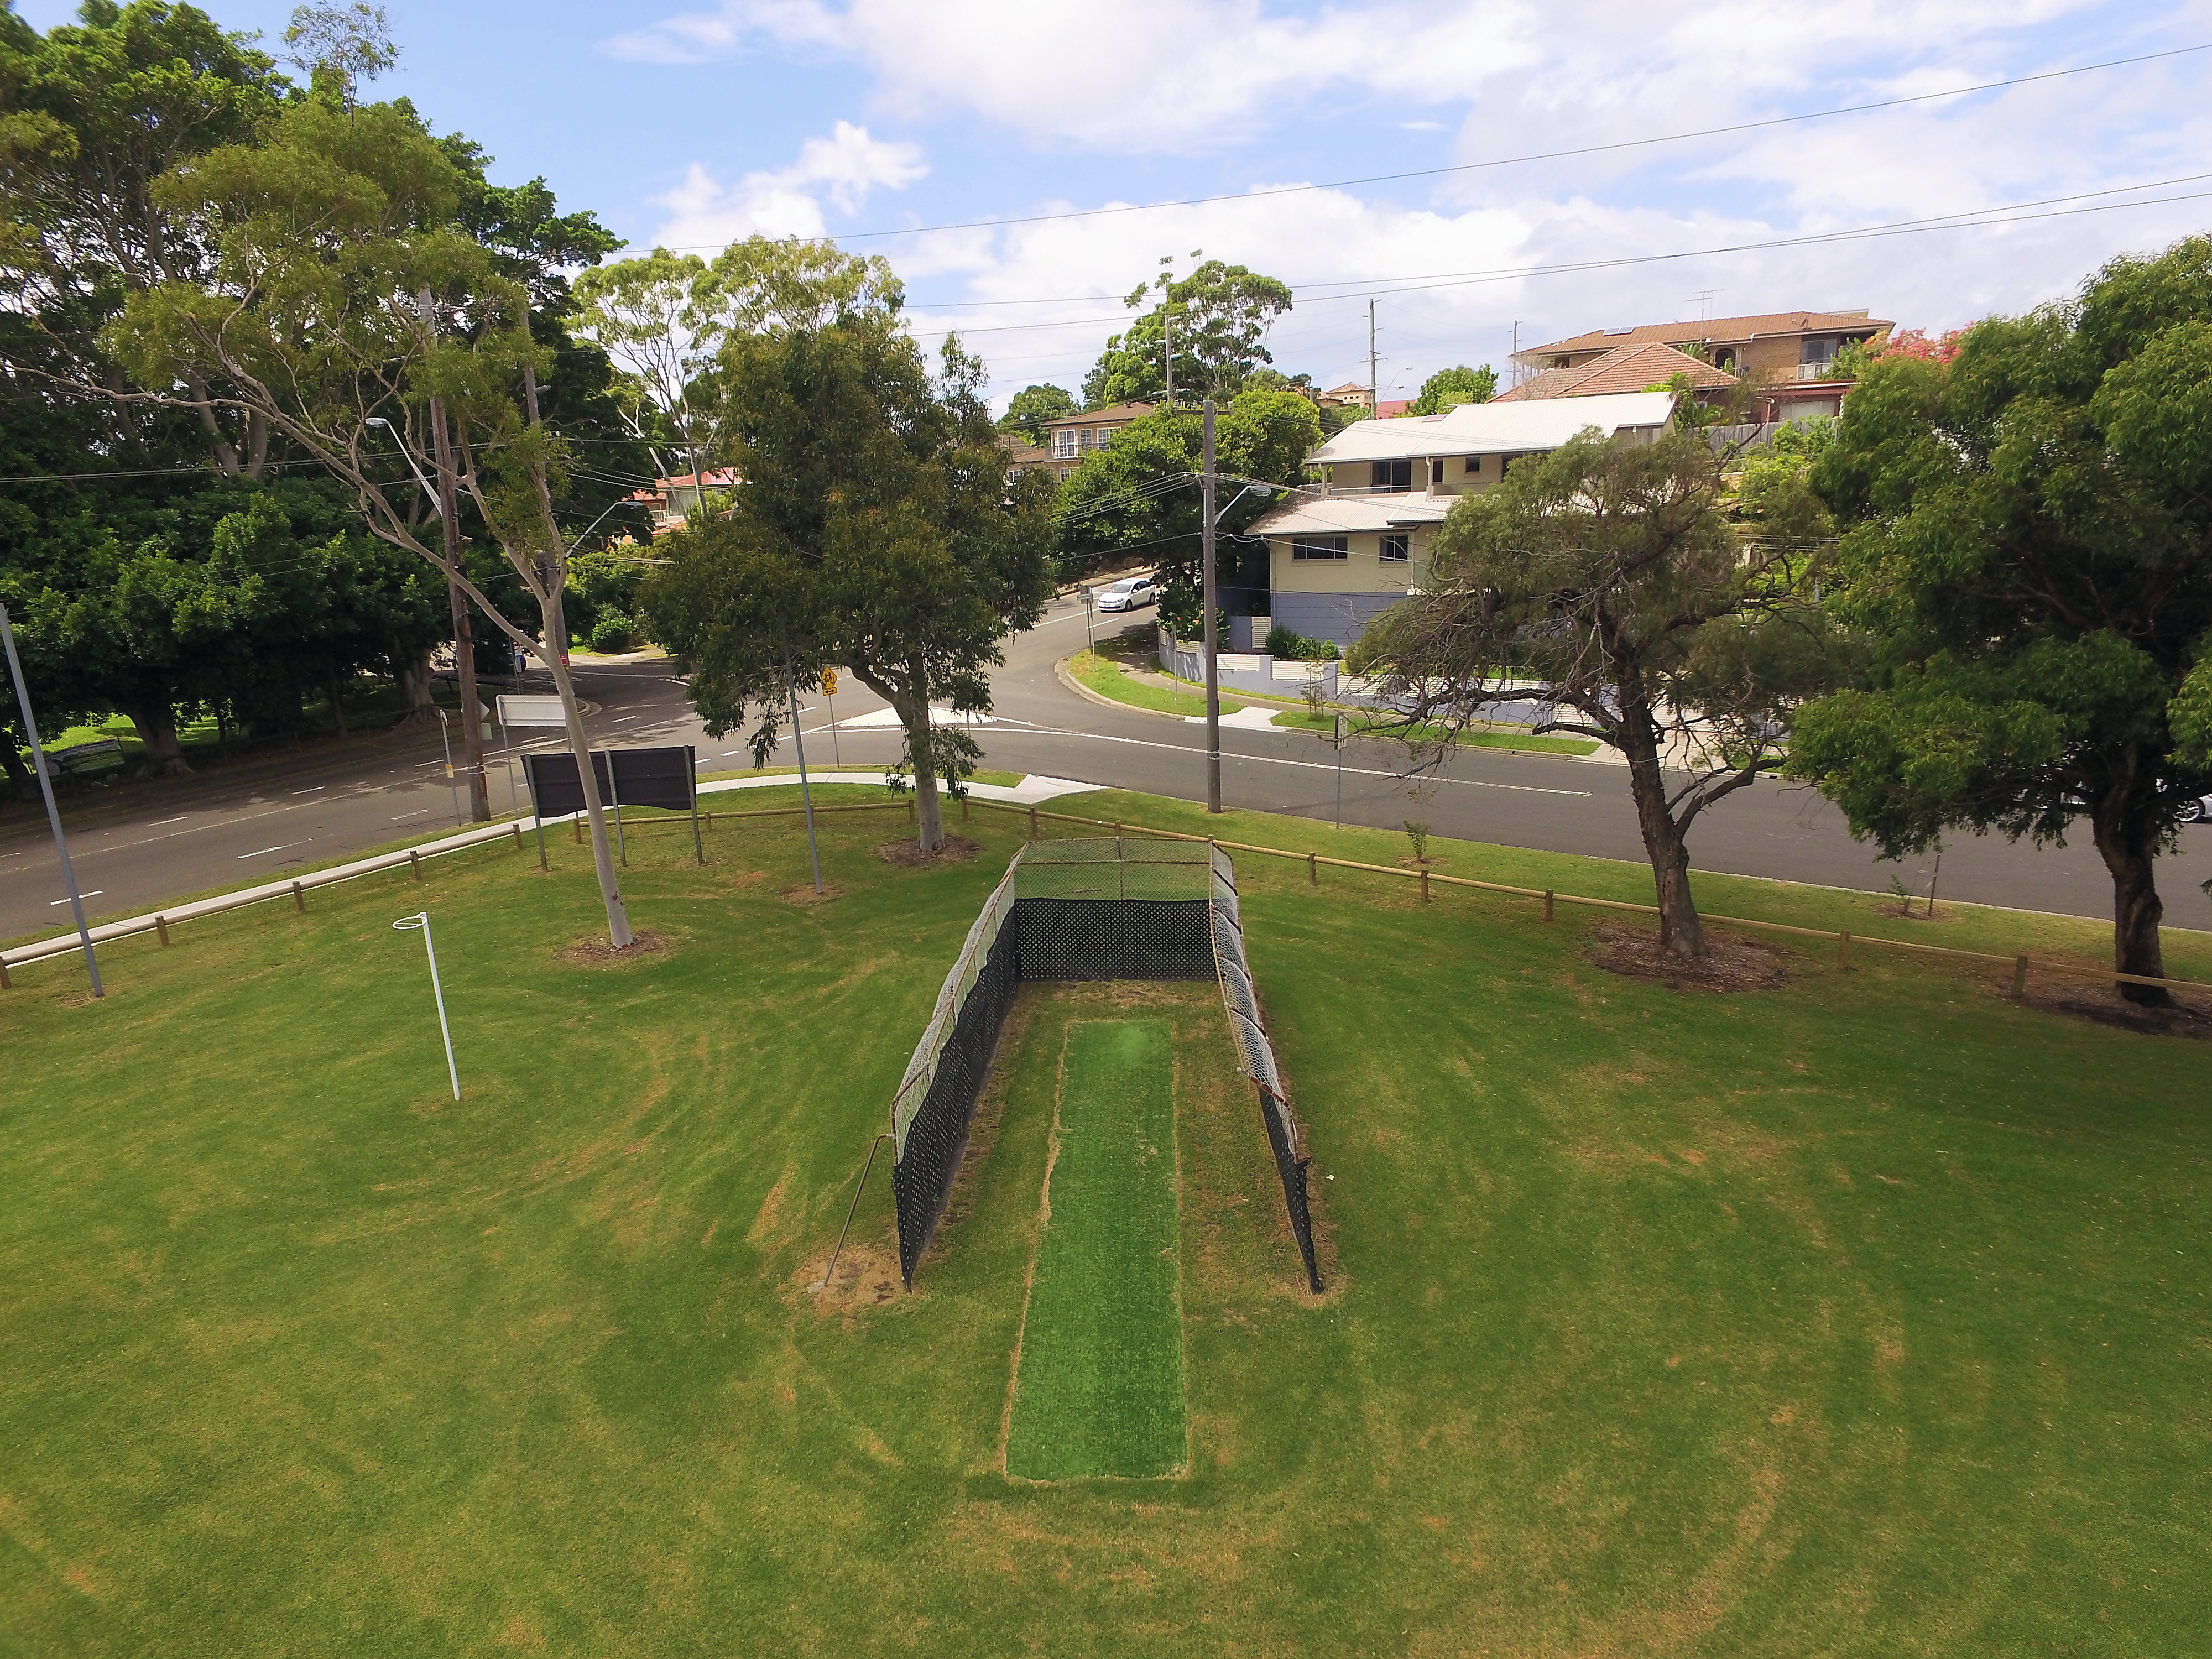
1397	550
1322	547
1391	475
1473	465
1063	444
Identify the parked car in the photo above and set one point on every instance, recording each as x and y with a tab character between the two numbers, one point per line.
1129	593
2198	811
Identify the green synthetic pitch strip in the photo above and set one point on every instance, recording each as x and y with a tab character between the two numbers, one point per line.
1098	1382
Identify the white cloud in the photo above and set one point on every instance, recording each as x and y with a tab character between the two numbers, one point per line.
1136	76
786	202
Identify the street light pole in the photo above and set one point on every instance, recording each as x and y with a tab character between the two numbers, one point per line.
1207	626
46	789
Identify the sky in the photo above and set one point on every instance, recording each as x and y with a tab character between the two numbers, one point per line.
884	122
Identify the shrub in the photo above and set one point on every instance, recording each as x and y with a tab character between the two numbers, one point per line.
1288	647
611	633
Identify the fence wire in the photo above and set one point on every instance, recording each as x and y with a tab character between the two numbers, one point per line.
1122	907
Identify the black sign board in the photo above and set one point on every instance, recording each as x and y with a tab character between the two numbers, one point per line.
666	778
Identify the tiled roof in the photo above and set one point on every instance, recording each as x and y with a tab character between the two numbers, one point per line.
1719	330
1391	408
1092	416
1624	368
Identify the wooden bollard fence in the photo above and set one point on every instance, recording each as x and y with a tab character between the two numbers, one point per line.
161	926
414	863
1547	904
577	824
299	900
1424	884
5	984
2020	976
1313	869
1843	949
516	827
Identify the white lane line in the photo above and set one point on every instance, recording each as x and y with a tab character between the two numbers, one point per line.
310	789
158	823
627	718
94	893
1022	728
403	816
265	851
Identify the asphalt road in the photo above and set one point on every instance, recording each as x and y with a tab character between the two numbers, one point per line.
150	845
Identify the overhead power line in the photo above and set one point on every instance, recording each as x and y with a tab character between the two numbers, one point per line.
1509	160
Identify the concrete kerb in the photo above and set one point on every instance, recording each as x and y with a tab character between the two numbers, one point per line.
1029	792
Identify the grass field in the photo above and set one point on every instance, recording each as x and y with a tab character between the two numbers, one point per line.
1098	1385
1865	1315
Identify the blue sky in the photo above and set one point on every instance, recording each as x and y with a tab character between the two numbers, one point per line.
690	123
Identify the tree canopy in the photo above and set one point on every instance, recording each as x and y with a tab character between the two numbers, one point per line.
1448	388
2028	545
1220	314
1605	583
871	529
1031	407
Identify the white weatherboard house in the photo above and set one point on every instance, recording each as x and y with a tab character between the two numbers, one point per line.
1341	554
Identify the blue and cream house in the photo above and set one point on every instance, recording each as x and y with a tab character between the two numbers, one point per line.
1342	553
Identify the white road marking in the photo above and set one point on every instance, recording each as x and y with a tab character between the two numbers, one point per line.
310	789
94	893
279	848
403	816
158	823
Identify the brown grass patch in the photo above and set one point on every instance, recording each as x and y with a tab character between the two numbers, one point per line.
866	1276
908	853
1728	964
595	952
2100	1003
804	893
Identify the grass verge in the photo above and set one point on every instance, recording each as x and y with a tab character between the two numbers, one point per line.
1108	679
1099	1390
1366	724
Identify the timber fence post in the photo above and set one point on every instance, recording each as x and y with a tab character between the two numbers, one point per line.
2020	976
1424	885
299	900
4	982
1547	904
161	926
517	827
1843	949
414	863
1313	869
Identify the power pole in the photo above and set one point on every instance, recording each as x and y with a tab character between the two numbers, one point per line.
464	649
54	813
1374	393
1167	339
1209	487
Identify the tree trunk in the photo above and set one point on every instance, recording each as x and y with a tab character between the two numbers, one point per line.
11	761
2130	854
413	675
464	681
1680	932
929	806
157	729
337	701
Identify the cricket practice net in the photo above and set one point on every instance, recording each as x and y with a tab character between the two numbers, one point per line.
1109	908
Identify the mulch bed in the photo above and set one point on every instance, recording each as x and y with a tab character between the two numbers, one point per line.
1729	963
595	952
908	853
2100	1003
804	893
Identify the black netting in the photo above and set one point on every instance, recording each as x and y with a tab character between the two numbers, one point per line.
1107	937
1126	907
1282	1138
921	1179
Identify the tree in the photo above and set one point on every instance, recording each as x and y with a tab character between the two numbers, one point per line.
1605	582
2029	546
1141	495
341	47
1448	388
645	314
1031	407
871	528
345	289
1220	314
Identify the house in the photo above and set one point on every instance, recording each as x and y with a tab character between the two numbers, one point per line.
1070	437
1341	553
1022	455
1785	353
1346	397
671	500
1624	368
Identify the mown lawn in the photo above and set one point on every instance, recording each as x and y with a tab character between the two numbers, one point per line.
1865	1315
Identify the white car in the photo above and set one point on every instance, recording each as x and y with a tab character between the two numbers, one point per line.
2198	811
1129	593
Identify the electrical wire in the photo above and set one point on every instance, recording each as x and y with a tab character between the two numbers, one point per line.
1510	161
